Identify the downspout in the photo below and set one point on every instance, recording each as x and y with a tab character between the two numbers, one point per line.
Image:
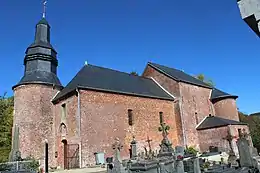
182	122
79	128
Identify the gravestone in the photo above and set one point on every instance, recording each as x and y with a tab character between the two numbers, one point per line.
231	155
188	165
213	149
244	152
133	149
196	165
165	146
179	153
117	166
253	151
15	154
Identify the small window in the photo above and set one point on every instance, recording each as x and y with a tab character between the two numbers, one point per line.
63	112
196	118
130	117
239	132
161	117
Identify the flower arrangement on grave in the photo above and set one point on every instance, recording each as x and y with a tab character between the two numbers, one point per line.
206	165
179	157
191	151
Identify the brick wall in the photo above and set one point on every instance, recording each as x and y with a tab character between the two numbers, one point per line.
234	132
213	137
104	116
167	83
190	99
172	87
70	121
34	115
195	107
227	108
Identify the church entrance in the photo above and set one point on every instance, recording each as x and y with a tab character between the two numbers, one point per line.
71	155
65	150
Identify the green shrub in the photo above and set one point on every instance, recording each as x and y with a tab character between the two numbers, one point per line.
32	164
191	150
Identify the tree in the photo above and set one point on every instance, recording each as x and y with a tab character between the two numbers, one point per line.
253	122
134	73
6	123
205	80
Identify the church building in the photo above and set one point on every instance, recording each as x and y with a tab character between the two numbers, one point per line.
100	104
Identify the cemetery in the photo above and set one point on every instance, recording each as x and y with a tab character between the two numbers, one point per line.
169	159
175	154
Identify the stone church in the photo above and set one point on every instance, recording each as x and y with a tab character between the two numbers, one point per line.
99	104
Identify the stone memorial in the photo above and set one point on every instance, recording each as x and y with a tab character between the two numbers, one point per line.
196	165
15	154
232	159
116	166
133	150
244	151
179	153
165	146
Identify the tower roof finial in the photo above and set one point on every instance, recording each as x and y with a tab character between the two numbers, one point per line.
44	8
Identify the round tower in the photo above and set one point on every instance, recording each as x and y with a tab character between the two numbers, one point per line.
33	109
224	104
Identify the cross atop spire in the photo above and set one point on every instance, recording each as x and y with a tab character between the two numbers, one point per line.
44	8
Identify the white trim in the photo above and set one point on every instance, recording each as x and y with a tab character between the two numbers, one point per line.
211	105
182	121
163	88
79	126
55	95
201	122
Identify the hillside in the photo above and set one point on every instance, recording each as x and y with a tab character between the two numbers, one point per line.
255	114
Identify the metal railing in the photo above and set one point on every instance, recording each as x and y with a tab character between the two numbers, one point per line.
19	167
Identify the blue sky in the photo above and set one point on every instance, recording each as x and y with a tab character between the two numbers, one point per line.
196	36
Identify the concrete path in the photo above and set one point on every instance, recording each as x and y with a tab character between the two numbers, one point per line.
84	170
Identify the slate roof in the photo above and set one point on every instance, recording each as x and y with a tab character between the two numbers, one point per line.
180	76
43	21
108	80
40	77
217	94
214	122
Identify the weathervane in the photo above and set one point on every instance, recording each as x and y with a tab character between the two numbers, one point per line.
44	8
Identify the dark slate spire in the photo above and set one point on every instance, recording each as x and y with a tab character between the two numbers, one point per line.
40	60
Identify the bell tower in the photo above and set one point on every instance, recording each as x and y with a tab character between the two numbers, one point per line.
33	110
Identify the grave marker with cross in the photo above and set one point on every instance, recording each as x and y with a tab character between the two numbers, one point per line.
164	129
149	143
230	138
117	146
166	146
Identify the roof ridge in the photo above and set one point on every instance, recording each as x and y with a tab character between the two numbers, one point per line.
106	68
178	78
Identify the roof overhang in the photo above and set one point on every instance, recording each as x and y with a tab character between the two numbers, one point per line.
73	91
38	83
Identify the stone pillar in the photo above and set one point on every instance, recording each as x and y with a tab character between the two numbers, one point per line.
133	149
196	165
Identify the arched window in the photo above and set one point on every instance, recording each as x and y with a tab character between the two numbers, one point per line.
196	118
130	117
63	112
63	129
161	117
